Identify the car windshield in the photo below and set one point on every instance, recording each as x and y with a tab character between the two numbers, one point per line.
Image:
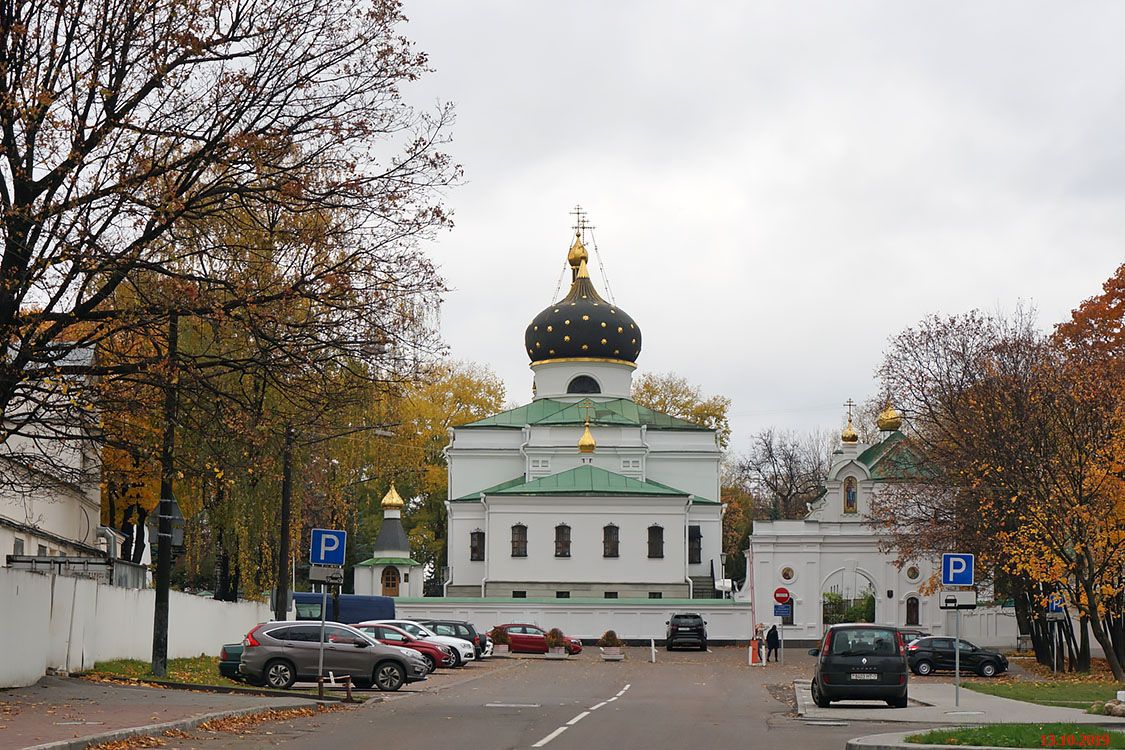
687	620
864	642
415	630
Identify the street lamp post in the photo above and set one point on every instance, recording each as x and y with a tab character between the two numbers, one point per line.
723	573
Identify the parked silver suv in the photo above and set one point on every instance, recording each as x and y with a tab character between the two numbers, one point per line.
278	654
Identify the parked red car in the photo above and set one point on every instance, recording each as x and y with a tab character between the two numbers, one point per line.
532	639
435	654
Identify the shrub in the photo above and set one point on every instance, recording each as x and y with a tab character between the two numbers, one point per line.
499	636
609	639
555	638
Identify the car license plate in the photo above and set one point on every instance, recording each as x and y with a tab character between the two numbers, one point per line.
864	676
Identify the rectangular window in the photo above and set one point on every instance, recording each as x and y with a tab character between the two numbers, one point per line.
42	550
476	546
609	541
519	541
611	595
655	542
562	540
17	547
519	594
631	464
540	464
655	595
562	594
695	545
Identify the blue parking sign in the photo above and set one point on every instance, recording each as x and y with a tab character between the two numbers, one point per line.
1055	603
328	547
957	569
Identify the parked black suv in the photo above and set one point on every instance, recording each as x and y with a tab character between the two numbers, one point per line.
687	629
860	662
927	655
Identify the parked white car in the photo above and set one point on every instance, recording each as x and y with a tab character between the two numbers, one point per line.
463	650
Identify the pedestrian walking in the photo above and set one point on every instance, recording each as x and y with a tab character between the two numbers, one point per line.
773	641
760	637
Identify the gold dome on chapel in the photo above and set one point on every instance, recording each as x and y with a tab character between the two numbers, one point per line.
577	252
889	419
392	500
849	435
586	443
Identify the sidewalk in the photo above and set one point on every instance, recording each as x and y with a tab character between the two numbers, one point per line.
60	709
932	703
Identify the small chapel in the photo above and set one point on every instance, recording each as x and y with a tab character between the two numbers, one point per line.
583	493
390	571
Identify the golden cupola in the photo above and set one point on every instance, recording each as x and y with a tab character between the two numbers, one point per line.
577	255
586	443
849	435
392	500
889	419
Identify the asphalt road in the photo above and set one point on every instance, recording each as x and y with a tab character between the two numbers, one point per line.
685	701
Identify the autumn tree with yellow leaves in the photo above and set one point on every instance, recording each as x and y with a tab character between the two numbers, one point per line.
1016	452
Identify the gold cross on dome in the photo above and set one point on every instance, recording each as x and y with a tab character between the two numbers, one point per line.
851	405
587	406
581	224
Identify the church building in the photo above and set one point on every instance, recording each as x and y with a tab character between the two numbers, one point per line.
583	492
830	561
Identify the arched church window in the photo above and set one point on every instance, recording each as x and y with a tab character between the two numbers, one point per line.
562	540
519	540
583	384
610	541
912	611
851	495
476	545
655	541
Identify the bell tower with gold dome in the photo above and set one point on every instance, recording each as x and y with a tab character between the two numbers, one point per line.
582	346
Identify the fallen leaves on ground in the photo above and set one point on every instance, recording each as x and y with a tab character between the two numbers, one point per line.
129	743
244	723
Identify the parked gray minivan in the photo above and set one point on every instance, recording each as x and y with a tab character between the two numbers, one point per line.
277	654
860	661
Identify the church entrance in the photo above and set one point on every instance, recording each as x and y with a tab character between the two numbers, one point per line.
390	581
848	596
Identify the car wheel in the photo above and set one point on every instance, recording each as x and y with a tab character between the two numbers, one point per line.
988	669
279	674
897	702
923	668
668	646
431	665
703	646
389	676
457	660
818	697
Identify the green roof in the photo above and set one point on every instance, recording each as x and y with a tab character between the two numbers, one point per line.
891	458
618	411
403	561
582	480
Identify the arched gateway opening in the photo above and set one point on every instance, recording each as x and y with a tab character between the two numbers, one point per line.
847	596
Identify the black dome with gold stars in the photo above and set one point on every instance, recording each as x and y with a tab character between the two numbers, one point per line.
582	325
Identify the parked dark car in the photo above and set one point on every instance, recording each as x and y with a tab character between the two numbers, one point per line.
278	654
936	653
860	662
532	639
686	629
457	629
229	657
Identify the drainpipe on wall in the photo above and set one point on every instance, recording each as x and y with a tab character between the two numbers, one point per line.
445	585
110	538
487	538
687	523
448	513
644	458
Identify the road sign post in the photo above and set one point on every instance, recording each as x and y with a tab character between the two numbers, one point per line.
326	555
958	569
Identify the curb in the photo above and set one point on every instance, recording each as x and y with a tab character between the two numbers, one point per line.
897	741
221	689
802	707
79	743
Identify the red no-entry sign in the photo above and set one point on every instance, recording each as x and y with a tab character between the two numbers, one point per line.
781	595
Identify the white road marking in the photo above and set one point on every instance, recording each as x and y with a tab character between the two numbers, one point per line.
595	708
578	718
626	687
549	737
611	700
511	705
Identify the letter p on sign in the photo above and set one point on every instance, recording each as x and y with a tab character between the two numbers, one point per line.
957	569
328	547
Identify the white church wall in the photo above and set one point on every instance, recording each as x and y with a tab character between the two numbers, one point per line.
552	379
586	521
473	472
633	620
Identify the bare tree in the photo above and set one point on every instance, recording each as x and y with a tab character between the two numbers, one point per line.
788	468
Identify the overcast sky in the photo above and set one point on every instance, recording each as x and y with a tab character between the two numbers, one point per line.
777	188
